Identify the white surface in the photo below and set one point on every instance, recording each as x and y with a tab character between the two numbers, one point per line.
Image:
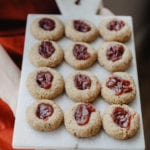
69	6
25	137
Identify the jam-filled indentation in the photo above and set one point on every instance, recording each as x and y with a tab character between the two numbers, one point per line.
81	26
121	117
46	49
80	52
119	85
115	25
44	111
115	52
47	24
82	82
83	113
44	79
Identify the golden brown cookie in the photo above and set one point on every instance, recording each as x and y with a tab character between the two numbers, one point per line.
82	120
45	83
118	88
114	29
44	115
120	121
46	54
80	55
114	56
82	86
47	27
81	30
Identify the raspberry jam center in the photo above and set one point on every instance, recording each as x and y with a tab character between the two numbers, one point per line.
47	24
119	85
44	111
80	52
83	113
82	82
46	49
81	26
115	52
121	117
44	79
115	25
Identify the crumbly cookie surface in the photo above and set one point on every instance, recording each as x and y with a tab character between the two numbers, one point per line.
82	95
76	35
114	56
121	35
89	129
44	124
122	92
41	34
57	84
40	61
129	122
80	55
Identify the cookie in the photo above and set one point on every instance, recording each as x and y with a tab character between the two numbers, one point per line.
47	27
82	120
81	30
114	56
82	86
80	55
114	29
120	121
118	88
45	83
46	54
44	115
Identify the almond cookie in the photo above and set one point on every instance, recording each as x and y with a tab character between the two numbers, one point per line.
46	54
80	55
114	29
44	115
45	83
118	88
114	56
48	27
82	86
82	120
120	121
81	30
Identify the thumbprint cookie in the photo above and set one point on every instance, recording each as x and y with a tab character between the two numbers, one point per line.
114	29
82	86
48	27
45	83
82	120
81	30
114	56
46	54
80	55
44	115
120	121
118	88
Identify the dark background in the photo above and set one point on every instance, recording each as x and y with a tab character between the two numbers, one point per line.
139	10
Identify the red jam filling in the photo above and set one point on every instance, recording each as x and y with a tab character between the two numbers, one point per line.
44	111
47	24
121	117
46	49
81	26
83	113
118	85
82	82
44	79
115	52
80	52
115	25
